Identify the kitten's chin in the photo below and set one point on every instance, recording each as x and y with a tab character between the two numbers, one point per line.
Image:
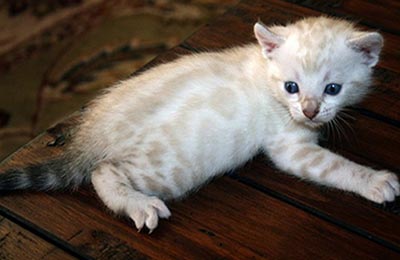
312	123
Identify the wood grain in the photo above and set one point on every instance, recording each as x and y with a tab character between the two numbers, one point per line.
241	224
257	212
18	243
380	14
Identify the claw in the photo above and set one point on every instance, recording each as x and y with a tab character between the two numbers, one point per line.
384	186
147	213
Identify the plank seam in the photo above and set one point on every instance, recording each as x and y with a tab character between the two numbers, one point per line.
348	227
45	235
350	16
376	116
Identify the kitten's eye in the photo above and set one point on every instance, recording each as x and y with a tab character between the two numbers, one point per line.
291	87
332	89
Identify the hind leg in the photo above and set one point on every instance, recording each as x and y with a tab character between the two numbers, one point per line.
115	190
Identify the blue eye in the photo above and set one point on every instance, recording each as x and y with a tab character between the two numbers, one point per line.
291	87
332	89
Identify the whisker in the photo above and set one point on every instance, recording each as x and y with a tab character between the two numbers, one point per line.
330	131
348	125
342	129
286	119
346	113
336	129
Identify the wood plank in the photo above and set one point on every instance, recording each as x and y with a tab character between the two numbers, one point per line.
379	14
224	220
385	95
237	25
375	141
18	243
345	209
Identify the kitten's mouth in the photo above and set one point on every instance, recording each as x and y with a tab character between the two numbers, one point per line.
313	123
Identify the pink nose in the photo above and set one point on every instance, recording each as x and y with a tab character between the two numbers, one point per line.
310	113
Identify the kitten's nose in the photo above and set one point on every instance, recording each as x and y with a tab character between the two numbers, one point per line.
310	113
310	107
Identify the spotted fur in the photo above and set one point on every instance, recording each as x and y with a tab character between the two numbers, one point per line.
162	134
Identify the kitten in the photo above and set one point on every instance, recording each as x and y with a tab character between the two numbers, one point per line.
163	133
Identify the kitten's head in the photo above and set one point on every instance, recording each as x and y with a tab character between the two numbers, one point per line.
319	65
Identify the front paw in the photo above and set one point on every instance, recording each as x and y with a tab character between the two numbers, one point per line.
146	211
382	186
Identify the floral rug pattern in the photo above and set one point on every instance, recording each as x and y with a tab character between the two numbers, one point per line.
55	55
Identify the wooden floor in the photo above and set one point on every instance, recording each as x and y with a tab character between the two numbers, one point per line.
253	213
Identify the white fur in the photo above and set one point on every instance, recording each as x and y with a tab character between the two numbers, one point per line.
165	132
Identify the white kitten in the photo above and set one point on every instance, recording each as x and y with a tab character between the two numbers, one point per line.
163	133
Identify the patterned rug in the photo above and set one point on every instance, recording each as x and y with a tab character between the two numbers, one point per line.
55	55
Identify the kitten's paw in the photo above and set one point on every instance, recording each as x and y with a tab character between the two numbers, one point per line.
146	211
382	186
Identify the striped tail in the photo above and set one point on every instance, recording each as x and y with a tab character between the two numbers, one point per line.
53	175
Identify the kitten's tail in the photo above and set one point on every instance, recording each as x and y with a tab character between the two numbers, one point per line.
61	173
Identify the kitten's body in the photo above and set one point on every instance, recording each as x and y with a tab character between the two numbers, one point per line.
165	132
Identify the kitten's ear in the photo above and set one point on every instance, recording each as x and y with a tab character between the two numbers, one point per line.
267	39
369	44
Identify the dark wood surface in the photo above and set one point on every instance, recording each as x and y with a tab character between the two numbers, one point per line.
256	212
